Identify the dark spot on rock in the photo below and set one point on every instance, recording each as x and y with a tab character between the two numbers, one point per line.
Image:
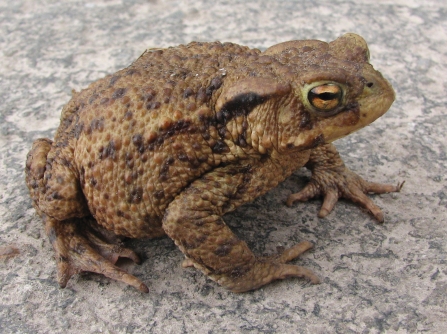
220	147
135	196
52	236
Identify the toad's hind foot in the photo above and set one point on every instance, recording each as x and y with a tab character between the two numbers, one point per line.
88	250
271	268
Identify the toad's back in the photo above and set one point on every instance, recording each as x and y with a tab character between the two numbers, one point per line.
141	135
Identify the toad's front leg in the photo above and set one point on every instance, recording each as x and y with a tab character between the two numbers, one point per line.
333	180
193	220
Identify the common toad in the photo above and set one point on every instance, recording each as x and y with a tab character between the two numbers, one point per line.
186	134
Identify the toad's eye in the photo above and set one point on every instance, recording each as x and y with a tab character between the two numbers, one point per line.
325	97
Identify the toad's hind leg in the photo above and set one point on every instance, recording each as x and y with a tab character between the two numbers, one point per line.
87	249
77	240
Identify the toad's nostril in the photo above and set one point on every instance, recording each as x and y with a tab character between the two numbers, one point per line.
369	84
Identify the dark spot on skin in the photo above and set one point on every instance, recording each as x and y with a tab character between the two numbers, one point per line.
201	95
65	162
119	93
93	182
137	140
223	250
106	196
119	213
128	115
318	140
93	98
60	179
132	72
79	248
159	194
153	105
188	92
109	151
114	79
222	132
55	196
241	105
135	196
182	156
104	100
241	140
164	168
214	85
82	175
78	130
220	147
96	124
238	271
306	121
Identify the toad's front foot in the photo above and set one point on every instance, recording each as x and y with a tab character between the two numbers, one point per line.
338	182
88	249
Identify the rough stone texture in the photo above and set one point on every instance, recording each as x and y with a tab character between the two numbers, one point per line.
375	278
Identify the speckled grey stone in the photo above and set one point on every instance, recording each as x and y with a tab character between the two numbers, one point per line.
375	278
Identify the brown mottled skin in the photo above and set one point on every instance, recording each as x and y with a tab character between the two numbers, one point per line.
186	134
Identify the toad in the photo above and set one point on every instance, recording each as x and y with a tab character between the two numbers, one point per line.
170	144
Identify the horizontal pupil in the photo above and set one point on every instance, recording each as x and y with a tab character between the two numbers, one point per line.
327	96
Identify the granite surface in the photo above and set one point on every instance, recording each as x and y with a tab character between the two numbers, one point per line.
375	278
